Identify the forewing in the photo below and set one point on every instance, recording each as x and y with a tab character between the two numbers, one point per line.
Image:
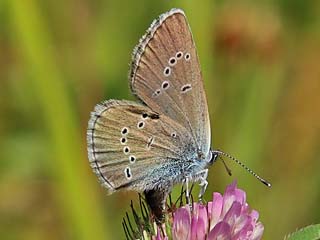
127	141
166	75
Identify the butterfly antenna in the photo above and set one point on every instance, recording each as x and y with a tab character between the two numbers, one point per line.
225	166
265	182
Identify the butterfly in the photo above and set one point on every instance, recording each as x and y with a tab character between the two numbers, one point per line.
165	138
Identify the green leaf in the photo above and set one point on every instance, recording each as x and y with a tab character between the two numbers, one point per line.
311	232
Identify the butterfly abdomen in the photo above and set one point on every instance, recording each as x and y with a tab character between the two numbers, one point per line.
156	201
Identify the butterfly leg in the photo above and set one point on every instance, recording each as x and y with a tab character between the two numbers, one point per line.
187	180
203	183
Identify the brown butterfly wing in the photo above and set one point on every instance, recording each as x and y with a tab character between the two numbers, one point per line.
129	144
166	76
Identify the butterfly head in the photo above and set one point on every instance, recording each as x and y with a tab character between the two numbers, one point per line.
213	156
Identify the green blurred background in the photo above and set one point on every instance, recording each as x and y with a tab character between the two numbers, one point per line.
261	66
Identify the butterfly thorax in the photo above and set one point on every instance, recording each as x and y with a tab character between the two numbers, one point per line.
166	175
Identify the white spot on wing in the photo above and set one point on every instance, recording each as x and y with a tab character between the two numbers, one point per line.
187	56
156	93
123	140
165	85
132	159
172	61
126	150
127	173
167	71
150	142
179	55
140	125
124	131
185	88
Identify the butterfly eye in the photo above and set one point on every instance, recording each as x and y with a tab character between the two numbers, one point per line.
214	157
174	135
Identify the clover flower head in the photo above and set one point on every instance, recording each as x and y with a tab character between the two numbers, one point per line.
226	217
